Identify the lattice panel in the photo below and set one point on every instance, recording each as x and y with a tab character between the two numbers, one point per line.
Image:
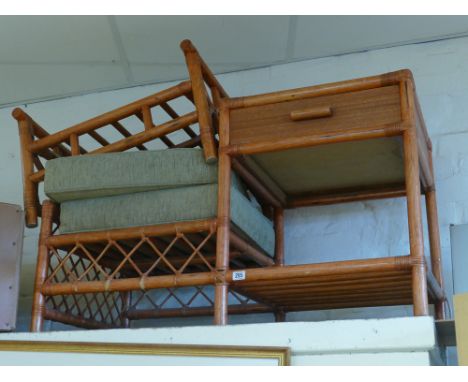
182	298
105	308
142	257
130	258
102	308
173	298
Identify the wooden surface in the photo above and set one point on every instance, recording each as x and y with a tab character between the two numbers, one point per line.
335	285
349	110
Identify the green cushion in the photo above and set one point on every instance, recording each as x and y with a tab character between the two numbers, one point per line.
90	176
165	206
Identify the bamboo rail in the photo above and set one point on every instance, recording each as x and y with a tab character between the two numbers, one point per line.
346	196
143	314
384	131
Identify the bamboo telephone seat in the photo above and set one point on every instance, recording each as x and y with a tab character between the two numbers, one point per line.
199	229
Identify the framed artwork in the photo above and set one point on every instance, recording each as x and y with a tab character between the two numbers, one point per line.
125	354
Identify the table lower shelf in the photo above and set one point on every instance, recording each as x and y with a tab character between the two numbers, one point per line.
335	285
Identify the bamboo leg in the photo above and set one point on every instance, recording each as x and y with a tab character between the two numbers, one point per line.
434	240
223	226
126	304
37	319
280	316
279	236
413	196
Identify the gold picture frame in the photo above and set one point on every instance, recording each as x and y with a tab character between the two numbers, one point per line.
282	355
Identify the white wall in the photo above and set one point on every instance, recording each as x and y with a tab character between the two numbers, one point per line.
367	229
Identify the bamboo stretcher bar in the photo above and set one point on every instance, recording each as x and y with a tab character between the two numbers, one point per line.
141	314
347	196
252	252
147	119
337	267
48	154
109	117
293	298
39	131
257	187
434	287
192	142
98	138
349	304
80	322
329	303
145	136
388	79
37	163
387	130
122	130
129	284
279	297
173	114
130	233
137	139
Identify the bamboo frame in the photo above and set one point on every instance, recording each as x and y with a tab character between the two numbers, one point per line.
211	253
37	144
418	169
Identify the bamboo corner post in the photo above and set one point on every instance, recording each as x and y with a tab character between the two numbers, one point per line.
434	242
30	198
279	236
413	199
37	319
223	225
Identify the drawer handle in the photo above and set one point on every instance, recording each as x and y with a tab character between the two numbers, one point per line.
313	113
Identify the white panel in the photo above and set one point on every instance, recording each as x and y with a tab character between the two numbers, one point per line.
398	341
459	242
364	359
320	36
11	251
56	39
220	39
26	82
341	336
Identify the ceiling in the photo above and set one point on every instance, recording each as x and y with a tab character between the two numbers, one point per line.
46	57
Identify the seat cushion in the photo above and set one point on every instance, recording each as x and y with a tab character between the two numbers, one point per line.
91	176
165	206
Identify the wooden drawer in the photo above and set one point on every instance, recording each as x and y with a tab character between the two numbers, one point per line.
315	116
